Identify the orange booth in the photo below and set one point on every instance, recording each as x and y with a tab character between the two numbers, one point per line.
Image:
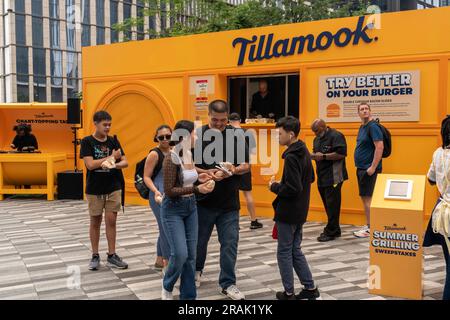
317	69
39	170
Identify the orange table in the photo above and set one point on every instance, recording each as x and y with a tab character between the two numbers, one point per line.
35	169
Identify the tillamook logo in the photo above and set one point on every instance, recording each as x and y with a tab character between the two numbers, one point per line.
263	48
394	227
396	243
43	115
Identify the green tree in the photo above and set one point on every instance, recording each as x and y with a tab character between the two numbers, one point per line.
202	16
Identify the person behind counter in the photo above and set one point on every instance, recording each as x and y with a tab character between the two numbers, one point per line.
264	102
24	139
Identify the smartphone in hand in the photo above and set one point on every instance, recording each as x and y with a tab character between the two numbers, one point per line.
225	170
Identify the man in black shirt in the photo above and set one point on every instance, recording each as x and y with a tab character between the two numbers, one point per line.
264	102
24	140
219	142
104	158
329	152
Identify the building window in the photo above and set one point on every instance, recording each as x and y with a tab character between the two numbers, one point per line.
54	34
152	21
22	74
39	75
172	8
140	14
21	37
56	75
22	85
163	16
86	28
114	15
127	15
86	36
54	9
37	24
57	93
72	65
54	24
20	6
70	24
23	92
100	17
72	87
36	8
38	32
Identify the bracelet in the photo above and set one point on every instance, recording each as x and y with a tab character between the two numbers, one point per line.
324	157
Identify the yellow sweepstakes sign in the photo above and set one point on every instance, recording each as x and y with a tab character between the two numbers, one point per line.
396	236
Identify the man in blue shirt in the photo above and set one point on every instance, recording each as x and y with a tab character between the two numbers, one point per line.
368	154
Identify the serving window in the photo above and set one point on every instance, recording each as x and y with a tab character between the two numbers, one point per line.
264	98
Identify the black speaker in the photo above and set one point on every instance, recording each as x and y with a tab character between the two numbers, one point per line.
70	185
73	111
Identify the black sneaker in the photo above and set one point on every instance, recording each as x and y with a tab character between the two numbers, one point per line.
114	261
308	294
256	225
324	238
95	262
283	296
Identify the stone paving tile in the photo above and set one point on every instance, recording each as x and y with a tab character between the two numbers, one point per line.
45	251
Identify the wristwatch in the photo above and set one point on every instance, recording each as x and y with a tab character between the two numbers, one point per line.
324	157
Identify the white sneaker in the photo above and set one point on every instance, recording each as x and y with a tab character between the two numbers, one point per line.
198	276
166	295
363	233
233	292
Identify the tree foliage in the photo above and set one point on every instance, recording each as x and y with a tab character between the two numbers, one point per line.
183	17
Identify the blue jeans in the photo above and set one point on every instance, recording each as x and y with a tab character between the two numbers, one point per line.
290	257
179	217
162	245
227	225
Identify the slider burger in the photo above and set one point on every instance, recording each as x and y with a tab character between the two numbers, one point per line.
109	163
211	184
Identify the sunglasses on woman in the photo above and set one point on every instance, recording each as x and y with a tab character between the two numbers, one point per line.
164	137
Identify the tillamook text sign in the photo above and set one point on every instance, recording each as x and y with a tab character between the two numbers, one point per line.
393	96
260	48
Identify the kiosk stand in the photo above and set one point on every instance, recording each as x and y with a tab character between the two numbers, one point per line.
396	232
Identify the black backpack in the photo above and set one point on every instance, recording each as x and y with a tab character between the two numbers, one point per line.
387	141
139	183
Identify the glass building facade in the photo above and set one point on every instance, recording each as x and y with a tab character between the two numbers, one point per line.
400	5
41	42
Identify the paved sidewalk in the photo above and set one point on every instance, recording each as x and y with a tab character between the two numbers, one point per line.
43	246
